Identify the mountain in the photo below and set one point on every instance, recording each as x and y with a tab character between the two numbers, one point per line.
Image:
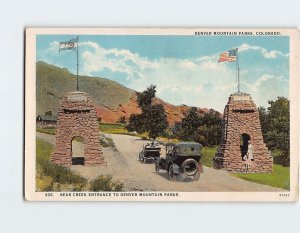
111	99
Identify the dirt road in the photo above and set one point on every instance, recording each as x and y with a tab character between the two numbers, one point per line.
144	176
124	166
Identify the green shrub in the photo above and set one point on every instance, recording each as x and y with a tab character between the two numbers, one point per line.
52	177
43	183
105	183
278	157
108	142
61	174
104	142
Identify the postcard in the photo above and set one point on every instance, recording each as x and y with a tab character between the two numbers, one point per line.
161	114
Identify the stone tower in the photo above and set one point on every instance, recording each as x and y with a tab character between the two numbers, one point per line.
77	118
241	124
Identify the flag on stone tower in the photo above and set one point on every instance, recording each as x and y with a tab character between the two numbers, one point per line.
68	45
230	55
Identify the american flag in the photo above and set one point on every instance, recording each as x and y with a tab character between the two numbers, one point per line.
229	55
68	45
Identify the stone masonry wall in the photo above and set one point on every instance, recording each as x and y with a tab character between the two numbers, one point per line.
77	118
241	117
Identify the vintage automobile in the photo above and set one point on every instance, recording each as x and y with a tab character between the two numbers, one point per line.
150	152
181	158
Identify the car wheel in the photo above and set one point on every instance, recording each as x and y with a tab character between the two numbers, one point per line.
171	173
196	176
144	160
190	167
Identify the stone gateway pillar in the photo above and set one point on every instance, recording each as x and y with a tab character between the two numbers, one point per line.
242	136
77	118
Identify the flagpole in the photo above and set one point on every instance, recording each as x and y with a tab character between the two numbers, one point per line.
77	61
238	71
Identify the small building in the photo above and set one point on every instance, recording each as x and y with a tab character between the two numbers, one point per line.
43	121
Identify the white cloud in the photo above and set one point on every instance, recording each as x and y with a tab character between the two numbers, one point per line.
53	46
259	82
267	87
123	61
197	81
229	86
264	52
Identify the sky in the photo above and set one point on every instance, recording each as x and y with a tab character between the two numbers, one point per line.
185	69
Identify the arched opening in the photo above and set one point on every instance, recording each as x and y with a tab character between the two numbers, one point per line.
77	151
244	140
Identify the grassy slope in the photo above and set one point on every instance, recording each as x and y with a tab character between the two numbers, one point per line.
53	82
207	155
116	128
280	177
51	177
113	128
43	150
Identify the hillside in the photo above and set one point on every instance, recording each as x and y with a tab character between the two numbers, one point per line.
112	99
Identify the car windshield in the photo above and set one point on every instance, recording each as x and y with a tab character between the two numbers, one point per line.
152	145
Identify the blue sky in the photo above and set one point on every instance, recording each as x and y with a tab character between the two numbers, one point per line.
184	68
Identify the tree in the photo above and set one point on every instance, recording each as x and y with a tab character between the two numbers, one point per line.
189	125
264	120
136	123
153	118
275	123
205	128
122	120
145	98
210	131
